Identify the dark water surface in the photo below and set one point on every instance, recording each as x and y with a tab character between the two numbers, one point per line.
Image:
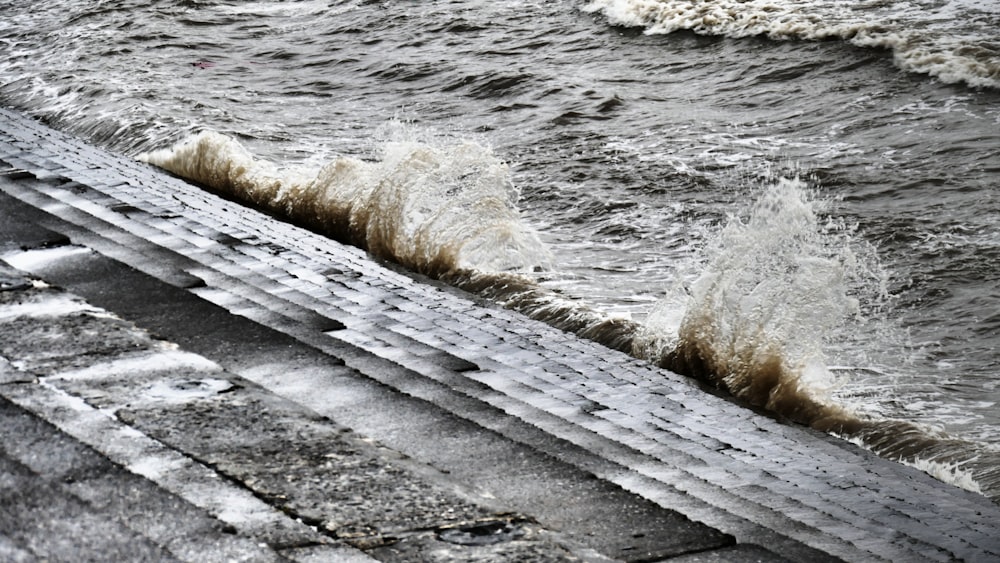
816	183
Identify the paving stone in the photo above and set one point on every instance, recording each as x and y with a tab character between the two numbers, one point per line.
54	527
79	506
324	477
491	540
76	340
326	554
303	466
98	398
746	553
24	220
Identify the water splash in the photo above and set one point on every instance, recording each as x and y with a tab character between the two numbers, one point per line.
436	209
778	286
448	211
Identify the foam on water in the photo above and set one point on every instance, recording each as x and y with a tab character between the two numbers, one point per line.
952	41
436	209
776	288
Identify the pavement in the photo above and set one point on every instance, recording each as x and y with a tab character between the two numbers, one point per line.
184	378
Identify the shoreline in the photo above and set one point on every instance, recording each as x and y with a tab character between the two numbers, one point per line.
563	446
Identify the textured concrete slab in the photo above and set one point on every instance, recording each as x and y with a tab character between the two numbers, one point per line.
294	460
595	455
169	310
343	488
65	502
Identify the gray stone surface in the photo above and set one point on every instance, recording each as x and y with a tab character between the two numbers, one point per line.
607	456
166	308
301	464
62	501
746	553
494	540
312	470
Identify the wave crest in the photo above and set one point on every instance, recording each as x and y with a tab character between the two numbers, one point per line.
912	32
433	209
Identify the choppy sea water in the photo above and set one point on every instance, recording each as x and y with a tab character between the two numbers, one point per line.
795	201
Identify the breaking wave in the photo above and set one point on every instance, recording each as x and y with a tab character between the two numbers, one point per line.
448	211
953	41
433	209
778	284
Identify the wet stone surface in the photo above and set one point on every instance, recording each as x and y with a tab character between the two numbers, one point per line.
302	464
482	533
63	501
310	468
746	553
488	541
53	342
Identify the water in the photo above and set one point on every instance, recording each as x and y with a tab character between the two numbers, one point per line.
796	201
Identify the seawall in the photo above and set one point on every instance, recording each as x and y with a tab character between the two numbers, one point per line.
170	356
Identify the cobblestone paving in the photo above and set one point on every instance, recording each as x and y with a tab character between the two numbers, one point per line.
240	474
647	430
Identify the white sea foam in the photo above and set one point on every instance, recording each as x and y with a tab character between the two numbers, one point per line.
952	41
300	9
774	287
433	208
953	472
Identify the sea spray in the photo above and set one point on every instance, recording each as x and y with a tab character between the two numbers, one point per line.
775	289
446	210
776	285
433	209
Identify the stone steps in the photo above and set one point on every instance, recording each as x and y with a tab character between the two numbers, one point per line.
648	431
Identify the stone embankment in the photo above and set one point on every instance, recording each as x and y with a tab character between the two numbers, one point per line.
184	378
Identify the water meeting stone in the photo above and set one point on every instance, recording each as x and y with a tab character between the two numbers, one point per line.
302	400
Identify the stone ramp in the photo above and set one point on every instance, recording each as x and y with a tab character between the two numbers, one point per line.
148	452
117	382
599	455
